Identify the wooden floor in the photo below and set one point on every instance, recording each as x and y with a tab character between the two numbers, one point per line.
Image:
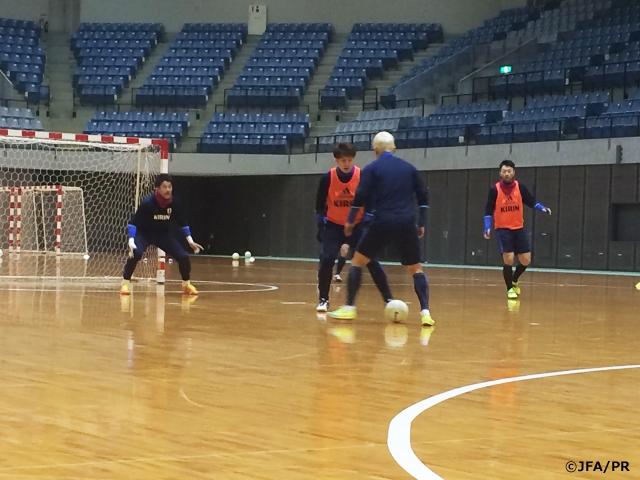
247	382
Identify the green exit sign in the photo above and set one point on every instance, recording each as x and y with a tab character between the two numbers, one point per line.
504	69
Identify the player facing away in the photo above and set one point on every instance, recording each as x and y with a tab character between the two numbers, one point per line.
392	185
505	205
152	224
333	205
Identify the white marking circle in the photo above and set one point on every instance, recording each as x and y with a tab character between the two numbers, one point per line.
399	435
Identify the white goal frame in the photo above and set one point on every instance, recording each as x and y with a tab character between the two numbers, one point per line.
16	192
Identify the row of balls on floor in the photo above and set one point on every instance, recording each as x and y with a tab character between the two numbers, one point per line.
247	256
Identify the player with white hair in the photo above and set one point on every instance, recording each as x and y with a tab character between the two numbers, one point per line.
391	185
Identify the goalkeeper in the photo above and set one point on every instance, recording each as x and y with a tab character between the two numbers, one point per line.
152	225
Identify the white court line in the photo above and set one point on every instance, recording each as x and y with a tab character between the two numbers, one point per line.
399	436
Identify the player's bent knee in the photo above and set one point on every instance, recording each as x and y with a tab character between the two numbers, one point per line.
359	260
415	268
508	258
525	259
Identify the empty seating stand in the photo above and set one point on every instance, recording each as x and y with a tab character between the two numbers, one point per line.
108	55
492	30
254	133
18	119
21	58
170	126
370	49
192	67
279	69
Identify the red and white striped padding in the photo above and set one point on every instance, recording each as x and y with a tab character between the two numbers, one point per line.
82	137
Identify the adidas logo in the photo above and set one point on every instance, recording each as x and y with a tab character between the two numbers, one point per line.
346	192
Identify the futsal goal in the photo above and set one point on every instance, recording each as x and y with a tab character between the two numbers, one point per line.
71	196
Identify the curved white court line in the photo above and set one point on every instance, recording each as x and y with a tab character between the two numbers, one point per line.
399	436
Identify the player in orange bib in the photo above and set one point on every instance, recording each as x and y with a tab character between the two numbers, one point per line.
335	194
506	205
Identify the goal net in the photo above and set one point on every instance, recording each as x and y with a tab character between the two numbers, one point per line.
71	196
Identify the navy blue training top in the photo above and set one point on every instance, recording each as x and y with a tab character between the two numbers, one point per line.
391	186
152	219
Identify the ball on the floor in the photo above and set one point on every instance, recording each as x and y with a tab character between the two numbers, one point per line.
247	254
637	284
396	311
85	256
235	256
252	259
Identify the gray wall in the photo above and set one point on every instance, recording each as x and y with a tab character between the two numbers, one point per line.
23	9
457	16
274	215
571	152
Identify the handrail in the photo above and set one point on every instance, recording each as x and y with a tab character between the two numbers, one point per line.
493	62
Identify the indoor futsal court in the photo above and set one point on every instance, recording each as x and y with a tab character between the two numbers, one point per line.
247	381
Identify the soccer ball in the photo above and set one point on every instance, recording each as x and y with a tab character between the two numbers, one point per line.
396	311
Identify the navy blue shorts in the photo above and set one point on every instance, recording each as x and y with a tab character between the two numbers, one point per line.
513	241
334	238
403	236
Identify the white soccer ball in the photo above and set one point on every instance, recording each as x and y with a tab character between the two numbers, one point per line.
85	256
247	254
235	256
251	260
396	311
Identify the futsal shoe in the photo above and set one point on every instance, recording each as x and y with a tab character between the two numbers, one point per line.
516	288
337	278
425	335
425	317
346	312
323	306
512	294
189	289
125	289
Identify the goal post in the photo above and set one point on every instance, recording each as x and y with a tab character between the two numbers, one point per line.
72	195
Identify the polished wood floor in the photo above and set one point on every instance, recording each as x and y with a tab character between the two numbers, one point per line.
247	382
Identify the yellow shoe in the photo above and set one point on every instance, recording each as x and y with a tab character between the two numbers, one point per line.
426	319
344	313
511	293
189	290
516	288
125	289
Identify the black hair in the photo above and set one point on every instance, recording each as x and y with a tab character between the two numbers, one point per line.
344	149
163	177
507	163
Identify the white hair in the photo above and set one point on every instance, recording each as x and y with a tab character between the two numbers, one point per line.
384	142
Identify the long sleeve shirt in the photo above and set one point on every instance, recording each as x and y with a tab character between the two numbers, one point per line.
390	187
